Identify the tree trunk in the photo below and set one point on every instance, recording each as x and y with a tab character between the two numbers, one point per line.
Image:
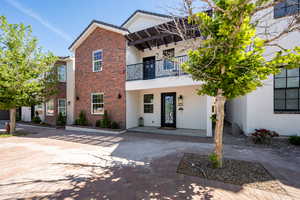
12	116
220	102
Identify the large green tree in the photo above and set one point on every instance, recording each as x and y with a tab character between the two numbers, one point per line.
230	59
26	73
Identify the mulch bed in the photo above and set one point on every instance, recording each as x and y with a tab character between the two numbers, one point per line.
237	172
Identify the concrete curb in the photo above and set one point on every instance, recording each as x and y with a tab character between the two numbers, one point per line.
91	130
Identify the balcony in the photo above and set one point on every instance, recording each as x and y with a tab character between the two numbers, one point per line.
152	69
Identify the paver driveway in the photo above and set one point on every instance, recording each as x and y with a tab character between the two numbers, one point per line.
57	164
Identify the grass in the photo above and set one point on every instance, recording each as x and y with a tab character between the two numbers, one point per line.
17	133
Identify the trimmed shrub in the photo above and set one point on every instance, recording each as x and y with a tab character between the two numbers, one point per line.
295	140
82	121
263	136
61	120
106	122
98	123
115	125
36	119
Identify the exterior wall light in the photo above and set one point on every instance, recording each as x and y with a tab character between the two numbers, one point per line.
180	100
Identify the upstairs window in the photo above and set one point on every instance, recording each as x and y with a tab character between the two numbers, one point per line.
286	8
61	72
97	103
168	55
286	90
97	61
148	103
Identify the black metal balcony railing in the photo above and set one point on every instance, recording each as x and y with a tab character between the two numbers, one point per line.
155	69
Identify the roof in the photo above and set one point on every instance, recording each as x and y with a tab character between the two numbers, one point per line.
101	24
147	13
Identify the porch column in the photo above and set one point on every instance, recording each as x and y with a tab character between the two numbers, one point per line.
208	116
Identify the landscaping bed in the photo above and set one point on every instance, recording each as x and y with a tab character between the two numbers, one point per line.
237	172
17	133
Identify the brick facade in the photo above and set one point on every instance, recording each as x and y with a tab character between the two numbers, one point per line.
61	94
110	81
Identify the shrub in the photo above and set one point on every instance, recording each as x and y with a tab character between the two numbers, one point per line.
36	118
106	122
82	121
263	136
61	120
115	125
214	160
98	123
295	140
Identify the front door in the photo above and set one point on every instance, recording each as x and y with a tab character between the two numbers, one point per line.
149	68
168	109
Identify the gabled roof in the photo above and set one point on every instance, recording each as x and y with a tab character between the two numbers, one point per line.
94	24
147	13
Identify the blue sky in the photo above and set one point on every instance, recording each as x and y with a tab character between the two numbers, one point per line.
56	23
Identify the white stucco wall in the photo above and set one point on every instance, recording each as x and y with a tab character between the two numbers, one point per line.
26	114
261	113
70	84
236	112
132	109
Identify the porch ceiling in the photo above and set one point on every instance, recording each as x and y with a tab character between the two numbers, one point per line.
162	34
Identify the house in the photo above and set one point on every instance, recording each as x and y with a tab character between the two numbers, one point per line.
62	102
127	71
276	105
123	70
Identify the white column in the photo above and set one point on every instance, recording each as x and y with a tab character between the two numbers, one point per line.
208	116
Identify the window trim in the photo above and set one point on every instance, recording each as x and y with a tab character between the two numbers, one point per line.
58	107
65	76
97	93
285	110
93	61
148	103
49	114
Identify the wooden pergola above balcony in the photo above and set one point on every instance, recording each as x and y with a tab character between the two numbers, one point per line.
162	34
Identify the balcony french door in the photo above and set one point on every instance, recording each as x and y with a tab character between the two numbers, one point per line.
149	68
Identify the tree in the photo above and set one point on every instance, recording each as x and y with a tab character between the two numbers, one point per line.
26	73
230	57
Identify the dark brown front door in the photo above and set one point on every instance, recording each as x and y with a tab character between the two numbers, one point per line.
168	109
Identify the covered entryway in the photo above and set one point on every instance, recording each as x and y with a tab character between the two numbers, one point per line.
178	109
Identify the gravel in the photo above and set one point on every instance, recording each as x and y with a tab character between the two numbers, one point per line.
237	172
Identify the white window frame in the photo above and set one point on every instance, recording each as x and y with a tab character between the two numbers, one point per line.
65	76
99	50
92	94
47	104
58	107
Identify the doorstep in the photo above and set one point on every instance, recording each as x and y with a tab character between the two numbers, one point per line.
176	131
94	130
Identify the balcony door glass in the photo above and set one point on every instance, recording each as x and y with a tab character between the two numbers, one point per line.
149	68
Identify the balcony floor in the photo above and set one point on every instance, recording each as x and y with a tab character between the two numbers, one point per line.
178	131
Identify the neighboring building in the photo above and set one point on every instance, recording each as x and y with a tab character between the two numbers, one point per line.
276	105
124	71
62	102
4	115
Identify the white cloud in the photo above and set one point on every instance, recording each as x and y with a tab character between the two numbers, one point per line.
38	18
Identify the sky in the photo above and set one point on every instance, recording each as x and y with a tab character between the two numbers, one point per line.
57	23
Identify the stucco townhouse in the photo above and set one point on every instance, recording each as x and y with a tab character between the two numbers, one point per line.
126	71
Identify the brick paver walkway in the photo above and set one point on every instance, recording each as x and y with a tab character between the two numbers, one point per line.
56	164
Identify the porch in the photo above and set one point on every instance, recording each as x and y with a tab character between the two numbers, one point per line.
176	131
180	110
